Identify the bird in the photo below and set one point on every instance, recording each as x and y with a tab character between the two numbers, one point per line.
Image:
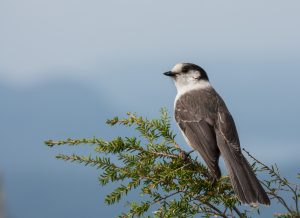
209	128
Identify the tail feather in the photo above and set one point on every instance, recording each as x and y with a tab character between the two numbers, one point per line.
244	182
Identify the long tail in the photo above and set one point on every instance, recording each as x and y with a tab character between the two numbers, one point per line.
244	182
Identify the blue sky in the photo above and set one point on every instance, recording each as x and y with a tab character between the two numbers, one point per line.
66	66
41	39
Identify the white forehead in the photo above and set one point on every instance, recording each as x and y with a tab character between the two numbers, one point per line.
177	67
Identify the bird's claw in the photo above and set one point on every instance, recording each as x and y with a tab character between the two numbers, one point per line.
184	155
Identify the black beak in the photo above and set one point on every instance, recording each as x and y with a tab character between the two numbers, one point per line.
169	73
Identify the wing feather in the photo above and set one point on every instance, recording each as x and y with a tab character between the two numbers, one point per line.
198	133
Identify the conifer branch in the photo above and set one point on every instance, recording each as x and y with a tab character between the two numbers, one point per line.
169	178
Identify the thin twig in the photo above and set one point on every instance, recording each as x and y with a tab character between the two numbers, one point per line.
269	169
279	198
168	196
163	154
237	211
219	212
296	201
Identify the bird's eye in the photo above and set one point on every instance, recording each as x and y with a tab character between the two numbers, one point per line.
185	69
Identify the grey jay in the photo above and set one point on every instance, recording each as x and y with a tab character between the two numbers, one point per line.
209	128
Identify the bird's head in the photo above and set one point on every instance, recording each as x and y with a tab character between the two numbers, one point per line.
187	74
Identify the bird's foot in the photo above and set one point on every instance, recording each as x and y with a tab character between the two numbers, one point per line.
213	180
184	155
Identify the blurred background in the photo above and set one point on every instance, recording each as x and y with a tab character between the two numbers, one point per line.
66	66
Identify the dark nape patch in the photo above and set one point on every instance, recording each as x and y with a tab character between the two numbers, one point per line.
190	66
